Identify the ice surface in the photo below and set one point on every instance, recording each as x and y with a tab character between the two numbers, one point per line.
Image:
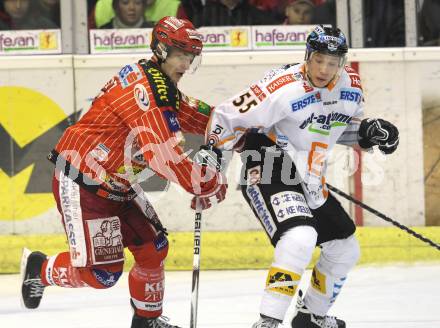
401	296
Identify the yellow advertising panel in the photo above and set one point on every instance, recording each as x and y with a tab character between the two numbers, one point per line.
36	106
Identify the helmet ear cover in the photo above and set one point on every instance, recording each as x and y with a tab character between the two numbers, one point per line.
161	51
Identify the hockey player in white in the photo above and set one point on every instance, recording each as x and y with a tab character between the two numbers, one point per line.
285	126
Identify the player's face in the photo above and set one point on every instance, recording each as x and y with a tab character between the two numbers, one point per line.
17	9
321	69
177	63
130	11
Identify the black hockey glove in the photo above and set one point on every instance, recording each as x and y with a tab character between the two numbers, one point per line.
209	156
378	132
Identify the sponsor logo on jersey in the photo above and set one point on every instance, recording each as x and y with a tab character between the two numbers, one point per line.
69	198
355	81
329	103
116	185
60	277
254	175
307	87
318	281
280	82
149	306
214	136
106	278
106	240
100	153
161	241
172	121
282	141
72	216
159	84
289	204
129	74
259	205
305	101
258	92
203	108
282	281
323	123
350	94
153	292
141	97
354	77
164	90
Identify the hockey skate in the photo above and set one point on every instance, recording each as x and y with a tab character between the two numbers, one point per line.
305	319
266	322
31	289
160	322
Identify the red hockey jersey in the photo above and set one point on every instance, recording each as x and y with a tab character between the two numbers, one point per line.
136	121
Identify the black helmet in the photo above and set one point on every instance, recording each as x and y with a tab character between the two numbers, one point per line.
326	40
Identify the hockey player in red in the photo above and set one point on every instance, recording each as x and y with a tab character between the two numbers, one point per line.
134	125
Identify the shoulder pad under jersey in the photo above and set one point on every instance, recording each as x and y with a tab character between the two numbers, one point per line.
275	71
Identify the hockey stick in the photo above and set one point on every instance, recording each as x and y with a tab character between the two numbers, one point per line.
196	265
384	217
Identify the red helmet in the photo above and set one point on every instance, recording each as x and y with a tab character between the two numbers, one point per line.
178	33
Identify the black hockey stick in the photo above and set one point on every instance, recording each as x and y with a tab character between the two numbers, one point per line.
196	265
384	217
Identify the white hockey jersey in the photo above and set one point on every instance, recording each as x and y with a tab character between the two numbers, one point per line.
306	122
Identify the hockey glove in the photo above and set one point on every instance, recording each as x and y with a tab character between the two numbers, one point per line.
213	196
210	158
378	132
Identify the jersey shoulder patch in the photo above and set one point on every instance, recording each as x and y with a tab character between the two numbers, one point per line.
128	75
280	82
354	78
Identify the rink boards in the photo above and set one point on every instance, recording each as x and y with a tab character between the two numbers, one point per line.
243	250
41	95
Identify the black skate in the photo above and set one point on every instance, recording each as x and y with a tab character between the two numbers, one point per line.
31	289
160	322
305	319
266	322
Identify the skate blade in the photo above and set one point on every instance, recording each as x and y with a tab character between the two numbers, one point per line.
23	262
